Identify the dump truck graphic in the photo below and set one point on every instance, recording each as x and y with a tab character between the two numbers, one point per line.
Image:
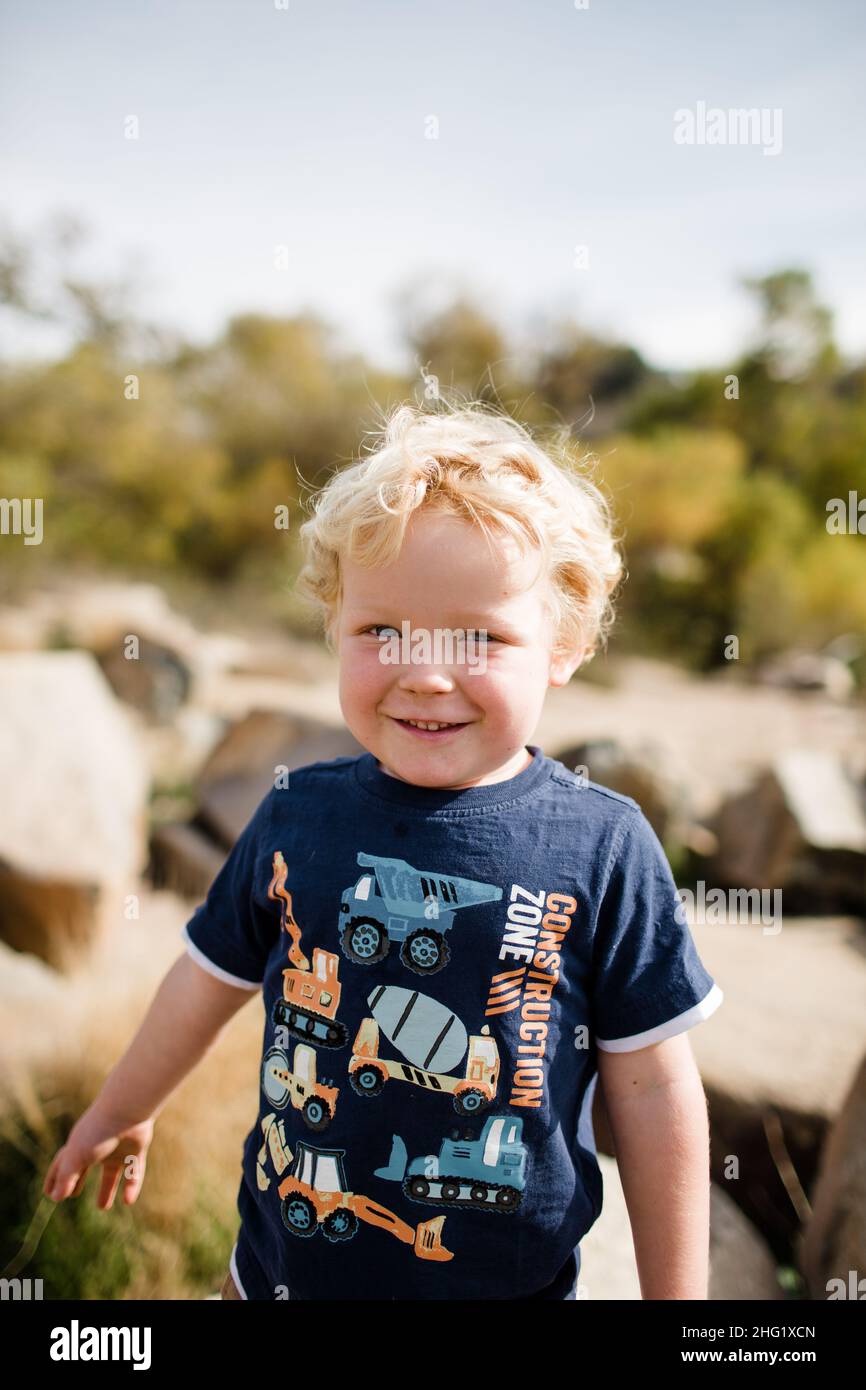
433	1041
394	902
314	1196
311	998
487	1173
282	1083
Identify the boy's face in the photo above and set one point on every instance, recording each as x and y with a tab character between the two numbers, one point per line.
447	577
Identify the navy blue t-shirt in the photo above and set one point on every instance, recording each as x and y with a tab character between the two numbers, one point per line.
438	969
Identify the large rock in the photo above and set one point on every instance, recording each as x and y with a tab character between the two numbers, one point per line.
152	676
804	670
184	860
834	1242
801	827
174	661
778	1057
741	1264
243	766
73	820
637	772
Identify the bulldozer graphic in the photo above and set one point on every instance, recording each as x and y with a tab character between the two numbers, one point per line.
311	998
414	907
314	1196
281	1084
433	1041
486	1172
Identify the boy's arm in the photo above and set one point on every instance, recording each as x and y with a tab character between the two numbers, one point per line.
189	1010
657	1113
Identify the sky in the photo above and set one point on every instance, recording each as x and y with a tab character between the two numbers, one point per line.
306	125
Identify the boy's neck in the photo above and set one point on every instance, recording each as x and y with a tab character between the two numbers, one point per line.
507	777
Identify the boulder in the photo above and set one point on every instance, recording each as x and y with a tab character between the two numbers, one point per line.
741	1264
149	675
243	766
834	1241
800	827
176	752
804	670
175	660
73	822
636	772
778	1057
184	860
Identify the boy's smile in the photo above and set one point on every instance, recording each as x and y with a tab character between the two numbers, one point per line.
448	576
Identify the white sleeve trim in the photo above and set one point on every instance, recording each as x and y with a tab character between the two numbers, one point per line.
201	959
696	1014
233	1270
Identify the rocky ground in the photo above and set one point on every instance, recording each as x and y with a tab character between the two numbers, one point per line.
132	779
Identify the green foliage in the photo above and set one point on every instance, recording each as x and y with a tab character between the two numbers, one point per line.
670	488
80	1252
179	462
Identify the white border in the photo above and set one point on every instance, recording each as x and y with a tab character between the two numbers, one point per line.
696	1014
233	1269
201	959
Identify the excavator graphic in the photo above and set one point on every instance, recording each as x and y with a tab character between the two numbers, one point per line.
311	998
314	1196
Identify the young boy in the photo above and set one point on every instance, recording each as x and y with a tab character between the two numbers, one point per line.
454	935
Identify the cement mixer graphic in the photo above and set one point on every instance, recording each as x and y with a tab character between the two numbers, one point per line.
415	907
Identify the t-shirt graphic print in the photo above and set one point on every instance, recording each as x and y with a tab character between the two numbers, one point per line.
438	970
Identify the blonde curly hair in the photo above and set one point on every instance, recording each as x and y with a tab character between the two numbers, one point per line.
477	463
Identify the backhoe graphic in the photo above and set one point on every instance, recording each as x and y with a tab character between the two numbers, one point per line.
314	1196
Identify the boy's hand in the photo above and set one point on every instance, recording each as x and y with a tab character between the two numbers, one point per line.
98	1138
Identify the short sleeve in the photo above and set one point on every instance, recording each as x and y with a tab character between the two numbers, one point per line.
648	980
230	934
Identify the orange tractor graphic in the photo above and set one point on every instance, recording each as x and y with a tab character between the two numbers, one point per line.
311	998
314	1196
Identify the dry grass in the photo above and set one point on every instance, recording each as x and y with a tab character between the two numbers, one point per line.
63	1036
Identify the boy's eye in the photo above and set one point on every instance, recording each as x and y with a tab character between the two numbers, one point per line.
379	628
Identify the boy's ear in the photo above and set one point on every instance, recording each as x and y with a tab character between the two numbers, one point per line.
564	664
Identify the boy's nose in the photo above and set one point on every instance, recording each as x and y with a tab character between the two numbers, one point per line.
425	677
